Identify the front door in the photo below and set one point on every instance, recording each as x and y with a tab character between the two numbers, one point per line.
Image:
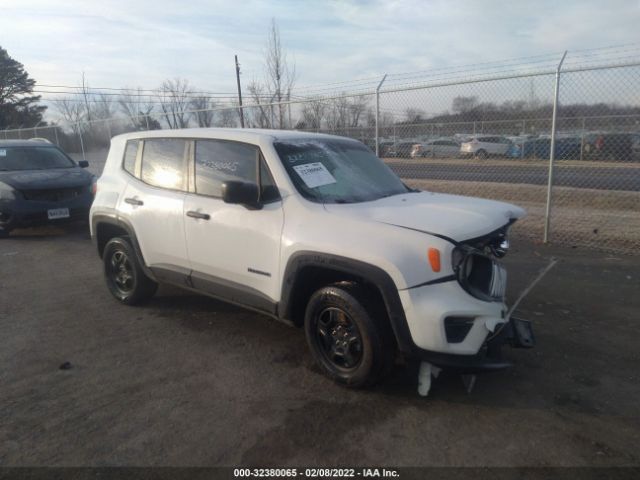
234	251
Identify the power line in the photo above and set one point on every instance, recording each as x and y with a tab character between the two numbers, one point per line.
322	88
550	58
183	95
124	89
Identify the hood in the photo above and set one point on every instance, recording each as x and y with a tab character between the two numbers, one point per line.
46	179
452	216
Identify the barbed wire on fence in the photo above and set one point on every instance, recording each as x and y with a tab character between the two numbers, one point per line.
420	124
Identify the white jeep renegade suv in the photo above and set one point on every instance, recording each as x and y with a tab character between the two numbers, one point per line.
314	230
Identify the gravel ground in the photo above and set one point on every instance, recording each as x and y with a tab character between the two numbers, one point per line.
187	380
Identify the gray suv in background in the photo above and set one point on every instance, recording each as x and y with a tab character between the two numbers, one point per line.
40	184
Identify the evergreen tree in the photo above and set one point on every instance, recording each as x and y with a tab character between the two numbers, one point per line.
18	106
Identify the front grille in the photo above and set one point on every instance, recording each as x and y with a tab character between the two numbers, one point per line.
53	195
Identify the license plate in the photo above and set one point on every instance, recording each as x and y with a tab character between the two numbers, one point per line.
57	213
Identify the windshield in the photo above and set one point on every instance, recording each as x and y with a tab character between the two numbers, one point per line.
337	171
33	158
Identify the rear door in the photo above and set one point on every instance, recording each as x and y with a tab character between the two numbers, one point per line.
153	203
234	251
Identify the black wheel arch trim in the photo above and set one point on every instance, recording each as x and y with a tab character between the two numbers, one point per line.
374	275
116	221
390	295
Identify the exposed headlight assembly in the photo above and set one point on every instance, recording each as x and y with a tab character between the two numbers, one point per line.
479	274
500	244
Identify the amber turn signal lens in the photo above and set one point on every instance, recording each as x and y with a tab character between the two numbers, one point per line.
434	259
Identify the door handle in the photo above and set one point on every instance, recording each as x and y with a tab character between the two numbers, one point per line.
133	201
201	216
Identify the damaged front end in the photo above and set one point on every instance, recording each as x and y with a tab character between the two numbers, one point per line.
477	269
479	272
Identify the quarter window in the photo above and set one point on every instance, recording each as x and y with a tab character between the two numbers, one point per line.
219	161
163	162
268	190
130	154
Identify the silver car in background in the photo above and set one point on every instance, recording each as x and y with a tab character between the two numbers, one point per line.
483	146
441	147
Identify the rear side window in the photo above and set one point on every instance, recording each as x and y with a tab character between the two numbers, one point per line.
219	161
130	154
163	163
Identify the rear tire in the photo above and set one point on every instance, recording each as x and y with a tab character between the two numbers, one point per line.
348	334
123	273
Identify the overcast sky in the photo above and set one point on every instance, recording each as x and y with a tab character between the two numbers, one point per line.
142	42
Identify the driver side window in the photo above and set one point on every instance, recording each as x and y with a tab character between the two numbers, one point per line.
219	161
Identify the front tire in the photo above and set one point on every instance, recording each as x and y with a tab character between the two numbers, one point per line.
125	278
348	335
481	155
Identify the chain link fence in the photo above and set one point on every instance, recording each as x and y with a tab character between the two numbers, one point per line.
481	133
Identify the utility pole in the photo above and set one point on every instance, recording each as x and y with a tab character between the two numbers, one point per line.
86	101
239	92
289	106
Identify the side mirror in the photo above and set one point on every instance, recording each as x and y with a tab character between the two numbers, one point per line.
241	193
83	164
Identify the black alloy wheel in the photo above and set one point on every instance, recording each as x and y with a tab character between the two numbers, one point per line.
339	338
123	273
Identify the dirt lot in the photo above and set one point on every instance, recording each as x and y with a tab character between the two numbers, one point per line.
187	380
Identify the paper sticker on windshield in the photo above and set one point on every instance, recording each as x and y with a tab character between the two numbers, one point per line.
314	174
3	153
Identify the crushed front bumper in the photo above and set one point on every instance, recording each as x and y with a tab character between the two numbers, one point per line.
517	333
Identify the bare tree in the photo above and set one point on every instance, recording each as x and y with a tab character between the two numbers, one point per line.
203	113
413	115
137	106
101	110
260	115
73	112
313	113
175	98
279	81
85	95
102	107
228	117
462	104
357	108
338	113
